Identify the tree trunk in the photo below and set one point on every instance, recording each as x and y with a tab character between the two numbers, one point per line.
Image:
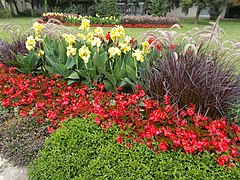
15	4
32	4
197	15
125	7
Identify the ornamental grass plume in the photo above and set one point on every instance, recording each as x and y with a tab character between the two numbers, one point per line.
198	68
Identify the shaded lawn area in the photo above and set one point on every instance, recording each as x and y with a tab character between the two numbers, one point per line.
231	27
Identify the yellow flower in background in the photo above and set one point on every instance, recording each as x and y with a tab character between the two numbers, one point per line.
138	54
71	51
145	46
70	39
30	43
96	42
82	36
124	47
84	53
85	25
99	32
113	51
117	32
40	52
37	27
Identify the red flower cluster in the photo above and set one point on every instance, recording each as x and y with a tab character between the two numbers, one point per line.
160	126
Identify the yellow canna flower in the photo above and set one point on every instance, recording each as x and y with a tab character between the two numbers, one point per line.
96	42
124	47
84	53
37	27
90	37
71	51
30	43
145	46
40	52
70	39
127	39
81	36
85	25
113	51
38	38
138	54
99	32
117	32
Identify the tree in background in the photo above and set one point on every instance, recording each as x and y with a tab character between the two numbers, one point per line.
161	7
104	8
215	7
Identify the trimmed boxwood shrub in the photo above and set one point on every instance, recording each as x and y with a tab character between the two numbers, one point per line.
82	150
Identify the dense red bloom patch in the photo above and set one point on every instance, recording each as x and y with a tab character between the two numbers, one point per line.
160	126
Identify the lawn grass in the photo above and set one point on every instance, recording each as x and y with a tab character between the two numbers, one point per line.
231	27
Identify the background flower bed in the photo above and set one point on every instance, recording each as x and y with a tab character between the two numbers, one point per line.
125	21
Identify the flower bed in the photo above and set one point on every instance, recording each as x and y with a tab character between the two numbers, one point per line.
92	74
160	126
126	21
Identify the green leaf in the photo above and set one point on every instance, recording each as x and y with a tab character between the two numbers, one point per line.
128	81
108	85
62	49
100	60
70	81
70	63
73	75
109	76
131	73
59	68
82	73
126	58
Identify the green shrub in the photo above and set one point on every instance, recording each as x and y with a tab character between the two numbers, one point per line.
234	112
82	150
25	13
4	14
20	138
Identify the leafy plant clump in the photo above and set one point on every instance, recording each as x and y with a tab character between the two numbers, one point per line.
20	138
9	51
112	59
82	150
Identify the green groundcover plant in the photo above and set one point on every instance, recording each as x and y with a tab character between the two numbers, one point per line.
82	150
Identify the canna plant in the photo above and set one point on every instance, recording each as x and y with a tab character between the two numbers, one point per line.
87	57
